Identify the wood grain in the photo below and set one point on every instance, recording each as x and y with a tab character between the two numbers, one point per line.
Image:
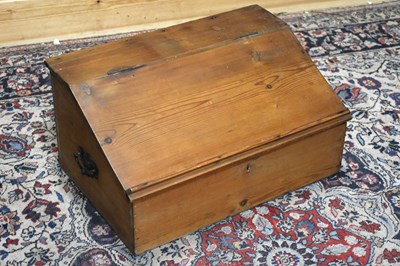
163	44
195	122
221	92
227	191
105	192
29	21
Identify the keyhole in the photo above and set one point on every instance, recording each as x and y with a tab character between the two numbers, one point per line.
248	168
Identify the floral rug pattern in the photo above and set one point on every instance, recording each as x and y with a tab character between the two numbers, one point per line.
351	218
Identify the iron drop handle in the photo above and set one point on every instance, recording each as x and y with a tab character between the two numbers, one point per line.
86	164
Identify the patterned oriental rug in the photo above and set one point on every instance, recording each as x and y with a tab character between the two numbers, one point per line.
352	218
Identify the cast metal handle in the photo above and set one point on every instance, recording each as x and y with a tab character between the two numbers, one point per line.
86	164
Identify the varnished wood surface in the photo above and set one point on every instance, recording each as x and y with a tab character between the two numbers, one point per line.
195	123
163	44
209	105
29	21
105	192
204	200
269	147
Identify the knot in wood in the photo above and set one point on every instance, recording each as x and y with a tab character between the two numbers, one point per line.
243	202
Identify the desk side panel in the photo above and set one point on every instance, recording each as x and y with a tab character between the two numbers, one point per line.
104	191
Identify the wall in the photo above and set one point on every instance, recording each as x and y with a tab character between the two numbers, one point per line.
27	21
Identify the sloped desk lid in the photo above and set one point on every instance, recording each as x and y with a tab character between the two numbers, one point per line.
169	103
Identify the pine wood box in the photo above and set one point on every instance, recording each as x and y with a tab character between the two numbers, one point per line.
168	131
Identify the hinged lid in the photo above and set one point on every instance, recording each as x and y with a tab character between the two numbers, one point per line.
168	104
